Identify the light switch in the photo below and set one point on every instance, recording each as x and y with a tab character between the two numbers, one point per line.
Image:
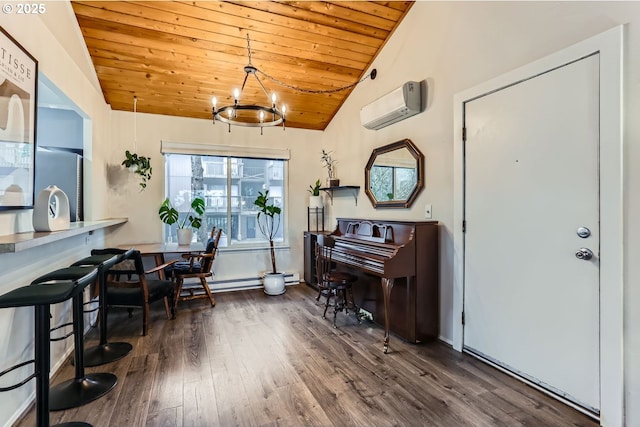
427	211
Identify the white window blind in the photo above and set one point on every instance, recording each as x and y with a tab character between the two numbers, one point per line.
167	147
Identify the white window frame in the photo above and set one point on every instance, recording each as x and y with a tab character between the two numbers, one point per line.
228	151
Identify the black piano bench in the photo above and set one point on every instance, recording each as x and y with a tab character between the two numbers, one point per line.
41	298
104	352
81	389
332	282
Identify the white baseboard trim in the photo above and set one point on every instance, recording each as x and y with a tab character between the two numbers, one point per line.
22	410
247	283
447	340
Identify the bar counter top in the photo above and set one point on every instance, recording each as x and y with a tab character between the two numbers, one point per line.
30	239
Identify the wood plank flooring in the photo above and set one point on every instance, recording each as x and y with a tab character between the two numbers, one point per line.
255	360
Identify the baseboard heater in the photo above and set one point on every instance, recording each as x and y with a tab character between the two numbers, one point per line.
247	283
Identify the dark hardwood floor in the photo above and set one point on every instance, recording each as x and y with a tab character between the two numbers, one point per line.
255	360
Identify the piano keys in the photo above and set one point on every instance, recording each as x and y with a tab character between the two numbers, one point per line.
397	267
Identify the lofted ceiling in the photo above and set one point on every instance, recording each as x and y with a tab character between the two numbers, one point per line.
174	56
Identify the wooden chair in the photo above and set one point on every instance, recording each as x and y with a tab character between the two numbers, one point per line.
332	282
198	265
128	286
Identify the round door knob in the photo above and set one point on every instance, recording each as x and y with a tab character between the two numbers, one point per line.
584	254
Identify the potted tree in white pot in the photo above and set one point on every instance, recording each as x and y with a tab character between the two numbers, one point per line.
268	225
170	215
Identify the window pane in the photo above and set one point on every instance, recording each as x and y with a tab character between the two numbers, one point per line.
229	186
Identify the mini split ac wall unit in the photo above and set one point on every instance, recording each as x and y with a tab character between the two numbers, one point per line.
404	102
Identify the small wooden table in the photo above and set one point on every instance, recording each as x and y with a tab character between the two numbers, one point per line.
158	250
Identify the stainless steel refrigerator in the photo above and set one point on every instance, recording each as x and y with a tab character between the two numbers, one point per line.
63	169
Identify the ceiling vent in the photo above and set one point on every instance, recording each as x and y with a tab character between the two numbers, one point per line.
404	102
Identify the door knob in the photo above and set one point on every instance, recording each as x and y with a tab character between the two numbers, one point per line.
584	253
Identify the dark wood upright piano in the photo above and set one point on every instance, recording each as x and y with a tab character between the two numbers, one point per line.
397	267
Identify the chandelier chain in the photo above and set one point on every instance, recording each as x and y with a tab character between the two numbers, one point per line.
249	48
301	89
312	91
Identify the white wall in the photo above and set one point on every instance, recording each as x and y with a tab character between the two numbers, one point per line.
141	207
456	45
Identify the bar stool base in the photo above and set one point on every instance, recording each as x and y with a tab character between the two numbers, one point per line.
77	392
73	424
106	353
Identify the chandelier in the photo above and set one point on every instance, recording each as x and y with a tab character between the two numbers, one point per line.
250	115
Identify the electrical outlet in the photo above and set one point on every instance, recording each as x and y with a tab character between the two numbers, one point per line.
427	211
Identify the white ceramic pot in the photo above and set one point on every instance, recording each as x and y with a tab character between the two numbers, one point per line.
184	236
273	283
315	202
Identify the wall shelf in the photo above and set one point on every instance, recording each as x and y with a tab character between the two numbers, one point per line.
354	189
22	241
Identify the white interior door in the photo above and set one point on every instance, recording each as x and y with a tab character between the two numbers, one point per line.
531	181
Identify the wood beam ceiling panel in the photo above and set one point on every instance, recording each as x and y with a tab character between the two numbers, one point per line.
173	42
176	54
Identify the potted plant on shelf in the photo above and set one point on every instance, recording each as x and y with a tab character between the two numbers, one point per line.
140	165
274	281
170	215
329	163
315	200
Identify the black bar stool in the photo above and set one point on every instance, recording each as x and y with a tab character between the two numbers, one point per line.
41	298
104	352
82	388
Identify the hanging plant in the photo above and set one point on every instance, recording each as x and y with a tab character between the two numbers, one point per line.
140	165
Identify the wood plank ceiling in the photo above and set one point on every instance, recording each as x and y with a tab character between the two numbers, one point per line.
174	56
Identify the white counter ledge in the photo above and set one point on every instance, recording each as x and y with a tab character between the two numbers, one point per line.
31	239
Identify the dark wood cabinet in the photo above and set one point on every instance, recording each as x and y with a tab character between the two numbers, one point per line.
310	239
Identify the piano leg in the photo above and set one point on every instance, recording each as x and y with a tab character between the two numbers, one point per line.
387	286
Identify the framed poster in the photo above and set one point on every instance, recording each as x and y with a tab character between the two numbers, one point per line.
18	93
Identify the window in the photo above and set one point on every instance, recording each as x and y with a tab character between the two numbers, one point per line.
229	186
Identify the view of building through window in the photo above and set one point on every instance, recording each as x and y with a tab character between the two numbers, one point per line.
229	186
